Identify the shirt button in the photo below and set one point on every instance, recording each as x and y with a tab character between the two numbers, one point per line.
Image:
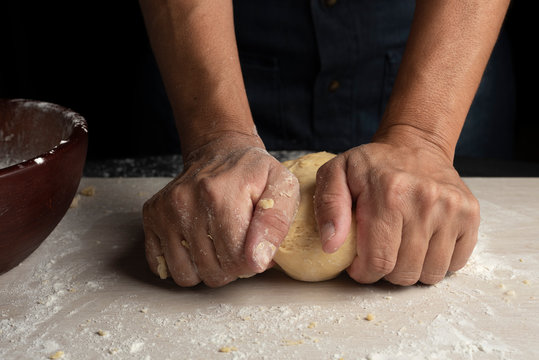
334	85
330	3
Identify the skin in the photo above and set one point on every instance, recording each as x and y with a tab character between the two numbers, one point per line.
416	217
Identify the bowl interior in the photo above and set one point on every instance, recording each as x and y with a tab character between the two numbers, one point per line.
42	153
29	129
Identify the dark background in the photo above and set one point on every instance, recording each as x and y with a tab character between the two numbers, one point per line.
94	57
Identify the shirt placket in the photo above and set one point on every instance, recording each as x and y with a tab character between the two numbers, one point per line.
333	103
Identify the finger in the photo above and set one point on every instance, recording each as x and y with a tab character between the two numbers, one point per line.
273	214
229	229
411	256
468	238
204	256
438	256
179	263
332	204
378	245
463	250
153	250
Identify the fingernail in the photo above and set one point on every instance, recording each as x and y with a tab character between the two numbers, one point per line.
327	232
263	254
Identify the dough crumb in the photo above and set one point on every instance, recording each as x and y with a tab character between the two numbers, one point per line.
75	201
57	355
312	325
526	282
369	317
113	351
227	349
510	293
88	191
292	342
144	310
162	267
266	203
102	333
185	244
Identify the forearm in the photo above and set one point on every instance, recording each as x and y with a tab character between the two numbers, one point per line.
447	51
195	47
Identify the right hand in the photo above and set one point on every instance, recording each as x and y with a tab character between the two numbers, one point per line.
208	223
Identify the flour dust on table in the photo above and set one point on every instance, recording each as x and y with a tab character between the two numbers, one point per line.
87	292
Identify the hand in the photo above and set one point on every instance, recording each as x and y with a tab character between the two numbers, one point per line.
206	223
416	218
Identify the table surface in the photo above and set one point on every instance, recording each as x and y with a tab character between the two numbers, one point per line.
86	291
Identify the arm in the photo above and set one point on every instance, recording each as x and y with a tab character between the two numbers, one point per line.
195	47
207	224
416	217
448	48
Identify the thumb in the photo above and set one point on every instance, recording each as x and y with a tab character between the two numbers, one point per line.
272	217
332	204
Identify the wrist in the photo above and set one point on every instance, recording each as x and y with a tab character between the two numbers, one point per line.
224	141
411	136
201	130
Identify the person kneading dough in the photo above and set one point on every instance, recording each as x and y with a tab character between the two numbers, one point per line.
300	255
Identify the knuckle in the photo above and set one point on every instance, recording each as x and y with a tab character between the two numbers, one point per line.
458	203
380	265
149	211
146	208
210	188
178	192
429	193
396	186
474	209
453	201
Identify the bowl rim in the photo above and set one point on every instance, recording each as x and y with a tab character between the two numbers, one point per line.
79	133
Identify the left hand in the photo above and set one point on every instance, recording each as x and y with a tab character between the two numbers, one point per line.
416	218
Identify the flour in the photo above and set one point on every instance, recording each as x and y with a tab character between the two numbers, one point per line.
15	149
77	120
136	347
6	156
4	163
86	282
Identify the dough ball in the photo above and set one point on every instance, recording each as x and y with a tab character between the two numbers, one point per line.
301	255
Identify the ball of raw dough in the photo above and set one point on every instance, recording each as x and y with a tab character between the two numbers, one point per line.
300	254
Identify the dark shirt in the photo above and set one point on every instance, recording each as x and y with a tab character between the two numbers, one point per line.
319	74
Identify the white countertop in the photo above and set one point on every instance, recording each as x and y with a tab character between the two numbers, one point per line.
87	291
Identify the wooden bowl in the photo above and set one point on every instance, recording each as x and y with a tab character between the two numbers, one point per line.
42	154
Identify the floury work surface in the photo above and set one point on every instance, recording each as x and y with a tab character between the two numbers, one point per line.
86	293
